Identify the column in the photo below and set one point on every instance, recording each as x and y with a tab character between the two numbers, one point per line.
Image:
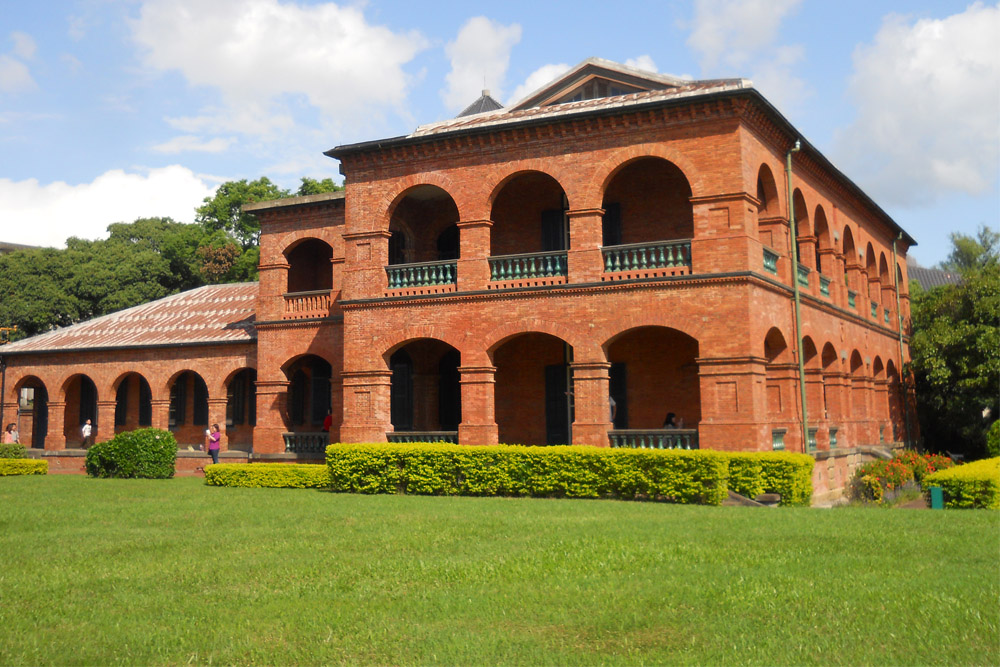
105	428
722	241
733	404
367	254
584	258
367	396
783	405
474	252
56	436
272	398
217	415
161	413
591	403
271	292
479	425
816	403
855	283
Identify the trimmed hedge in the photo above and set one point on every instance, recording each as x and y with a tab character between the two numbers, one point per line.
148	453
973	485
270	475
12	450
23	467
513	470
786	473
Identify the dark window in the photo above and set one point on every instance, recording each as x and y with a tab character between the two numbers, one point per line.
145	403
178	401
619	392
553	230
556	405
448	244
398	248
401	391
88	401
449	392
200	407
300	383
121	402
611	225
320	392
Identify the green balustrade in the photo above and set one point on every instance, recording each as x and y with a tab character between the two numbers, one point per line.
306	443
833	437
528	265
770	261
803	274
674	438
812	439
778	439
885	311
642	256
874	310
423	436
852	298
402	276
824	285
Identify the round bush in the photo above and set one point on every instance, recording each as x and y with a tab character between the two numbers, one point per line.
149	453
12	450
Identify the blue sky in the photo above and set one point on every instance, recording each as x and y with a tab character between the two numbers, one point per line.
116	109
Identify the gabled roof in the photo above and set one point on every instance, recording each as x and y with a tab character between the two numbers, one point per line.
483	104
630	79
929	278
205	315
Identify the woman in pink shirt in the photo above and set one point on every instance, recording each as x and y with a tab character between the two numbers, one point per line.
213	443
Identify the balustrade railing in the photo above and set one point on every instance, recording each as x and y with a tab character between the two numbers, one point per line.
423	436
852	298
421	274
770	261
824	285
306	443
885	312
641	256
874	310
528	265
812	439
674	438
803	275
833	437
306	304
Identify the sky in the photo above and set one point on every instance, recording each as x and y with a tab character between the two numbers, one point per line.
111	110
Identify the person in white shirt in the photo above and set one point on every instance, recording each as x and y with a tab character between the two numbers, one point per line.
85	432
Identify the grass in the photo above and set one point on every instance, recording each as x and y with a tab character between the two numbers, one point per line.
172	572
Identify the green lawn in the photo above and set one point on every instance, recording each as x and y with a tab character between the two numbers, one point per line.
154	572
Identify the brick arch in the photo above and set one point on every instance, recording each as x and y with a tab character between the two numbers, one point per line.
611	332
292	239
502	174
116	382
387	203
290	361
505	332
776	205
398	338
18	384
774	347
829	358
68	378
605	171
164	388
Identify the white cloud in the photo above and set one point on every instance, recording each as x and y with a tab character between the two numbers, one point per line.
541	76
37	214
479	55
928	98
24	45
644	62
14	76
738	38
190	143
263	55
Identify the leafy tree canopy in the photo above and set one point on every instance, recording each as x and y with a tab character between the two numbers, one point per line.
956	349
223	211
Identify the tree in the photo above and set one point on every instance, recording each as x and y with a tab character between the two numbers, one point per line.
956	350
33	295
310	186
224	210
970	253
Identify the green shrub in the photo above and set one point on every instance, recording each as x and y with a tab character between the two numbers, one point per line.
973	485
271	475
923	464
993	440
12	450
12	466
148	453
509	470
784	473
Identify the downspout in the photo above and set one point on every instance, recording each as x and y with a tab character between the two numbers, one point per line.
899	327
3	387
795	292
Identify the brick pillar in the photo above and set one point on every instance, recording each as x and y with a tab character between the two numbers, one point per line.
816	404
479	424
591	403
217	415
888	303
874	293
722	240
367	254
855	283
366	406
105	427
56	436
733	404
161	413
584	259
271	291
272	399
807	252
782	404
828	268
473	258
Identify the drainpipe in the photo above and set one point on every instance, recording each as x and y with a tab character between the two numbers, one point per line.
795	292
3	387
899	327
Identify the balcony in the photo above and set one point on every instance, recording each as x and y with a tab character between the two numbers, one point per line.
412	277
654	438
770	261
303	305
528	269
306	443
423	436
647	260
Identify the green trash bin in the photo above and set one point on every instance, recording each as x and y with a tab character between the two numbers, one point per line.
937	498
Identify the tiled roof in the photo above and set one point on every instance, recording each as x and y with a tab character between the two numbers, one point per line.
483	104
210	314
929	278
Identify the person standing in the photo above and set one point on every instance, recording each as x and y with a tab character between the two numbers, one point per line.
86	431
10	435
213	443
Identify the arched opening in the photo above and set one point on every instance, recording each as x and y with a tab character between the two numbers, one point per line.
815	399
421	217
309	393
425	396
133	403
880	412
188	416
532	392
895	402
529	216
241	409
81	407
779	364
32	412
850	258
767	194
647	200
859	401
309	267
824	243
871	267
831	394
804	241
653	374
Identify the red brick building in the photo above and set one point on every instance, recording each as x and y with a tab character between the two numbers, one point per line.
618	238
